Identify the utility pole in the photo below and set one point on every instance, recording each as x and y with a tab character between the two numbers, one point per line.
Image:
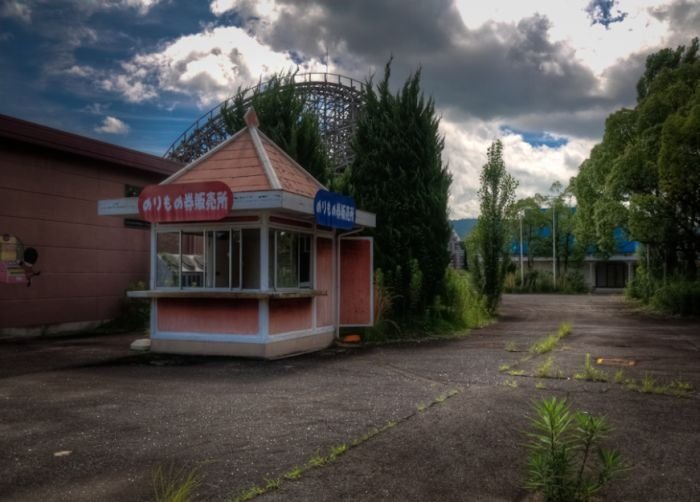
554	244
522	276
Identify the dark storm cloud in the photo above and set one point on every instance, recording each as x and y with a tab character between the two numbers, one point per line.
683	18
496	70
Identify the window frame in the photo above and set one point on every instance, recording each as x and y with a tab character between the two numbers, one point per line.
205	230
273	267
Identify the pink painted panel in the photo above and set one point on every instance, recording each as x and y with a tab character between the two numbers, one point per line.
324	282
290	315
43	311
49	200
193	315
356	282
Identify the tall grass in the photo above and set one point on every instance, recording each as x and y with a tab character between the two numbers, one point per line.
175	485
458	307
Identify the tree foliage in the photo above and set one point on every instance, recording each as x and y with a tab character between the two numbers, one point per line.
491	237
645	174
399	175
537	223
285	118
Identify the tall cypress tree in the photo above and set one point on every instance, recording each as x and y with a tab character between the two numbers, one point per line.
399	175
497	197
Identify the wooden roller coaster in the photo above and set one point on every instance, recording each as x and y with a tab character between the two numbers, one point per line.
335	99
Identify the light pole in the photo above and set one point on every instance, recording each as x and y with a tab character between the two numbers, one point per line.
554	245
521	213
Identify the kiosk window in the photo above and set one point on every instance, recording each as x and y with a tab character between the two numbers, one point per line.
290	259
193	263
168	260
223	259
250	251
223	263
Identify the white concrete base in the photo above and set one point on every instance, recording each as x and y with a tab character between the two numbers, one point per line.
271	349
141	345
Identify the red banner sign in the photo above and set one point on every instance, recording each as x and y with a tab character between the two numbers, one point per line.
203	201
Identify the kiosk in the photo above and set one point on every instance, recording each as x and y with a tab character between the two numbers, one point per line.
251	255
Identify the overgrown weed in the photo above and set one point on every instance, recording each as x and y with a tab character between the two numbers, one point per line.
590	372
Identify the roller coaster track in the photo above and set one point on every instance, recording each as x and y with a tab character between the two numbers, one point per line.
335	99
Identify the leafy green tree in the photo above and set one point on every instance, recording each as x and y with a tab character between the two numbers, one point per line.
537	220
491	236
645	175
398	174
286	119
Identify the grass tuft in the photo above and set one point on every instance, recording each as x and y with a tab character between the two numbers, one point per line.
547	370
175	485
590	372
511	347
511	382
548	343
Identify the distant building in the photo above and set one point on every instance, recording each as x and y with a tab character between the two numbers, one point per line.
612	272
50	182
456	250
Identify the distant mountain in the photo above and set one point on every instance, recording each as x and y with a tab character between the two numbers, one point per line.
464	226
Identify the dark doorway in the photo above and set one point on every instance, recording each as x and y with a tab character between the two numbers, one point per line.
610	275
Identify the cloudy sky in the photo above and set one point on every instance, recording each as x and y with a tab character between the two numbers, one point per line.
541	75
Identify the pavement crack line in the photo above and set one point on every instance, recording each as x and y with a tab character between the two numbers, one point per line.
411	375
335	452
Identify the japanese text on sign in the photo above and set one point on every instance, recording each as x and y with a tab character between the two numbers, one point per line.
185	202
334	210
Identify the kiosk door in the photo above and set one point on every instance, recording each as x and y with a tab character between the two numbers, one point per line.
356	282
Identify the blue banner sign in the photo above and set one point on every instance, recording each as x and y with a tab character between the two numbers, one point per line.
334	210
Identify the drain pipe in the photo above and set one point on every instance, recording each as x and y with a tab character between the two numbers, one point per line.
339	237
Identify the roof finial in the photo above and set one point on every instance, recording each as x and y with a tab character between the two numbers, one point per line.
251	118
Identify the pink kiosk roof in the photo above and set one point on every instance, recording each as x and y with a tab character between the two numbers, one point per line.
247	162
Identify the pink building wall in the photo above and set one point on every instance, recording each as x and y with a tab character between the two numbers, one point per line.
48	199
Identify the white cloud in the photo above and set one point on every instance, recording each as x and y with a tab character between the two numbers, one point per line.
112	125
596	47
208	66
79	71
17	10
143	6
536	168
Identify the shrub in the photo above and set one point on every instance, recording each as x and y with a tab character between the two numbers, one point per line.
641	287
573	282
680	297
462	305
566	462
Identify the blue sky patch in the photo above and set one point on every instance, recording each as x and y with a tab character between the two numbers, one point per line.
537	138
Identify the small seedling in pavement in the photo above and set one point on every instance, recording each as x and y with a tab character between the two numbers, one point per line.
547	370
590	372
511	382
540	386
561	462
504	367
548	343
511	347
619	376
